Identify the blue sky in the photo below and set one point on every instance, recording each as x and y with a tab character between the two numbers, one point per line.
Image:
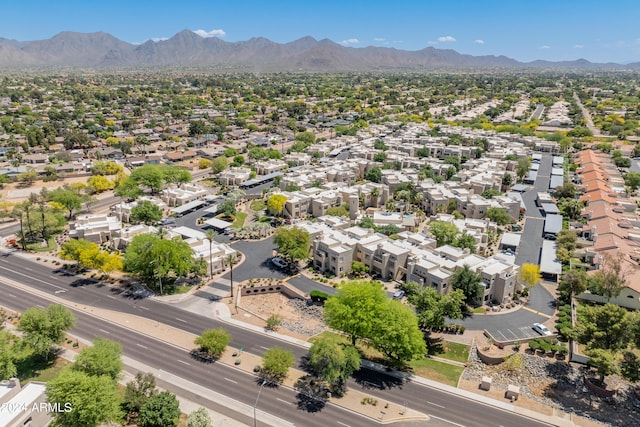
600	31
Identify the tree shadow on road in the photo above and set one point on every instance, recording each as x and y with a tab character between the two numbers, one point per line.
312	394
370	379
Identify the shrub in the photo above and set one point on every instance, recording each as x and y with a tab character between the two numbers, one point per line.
318	296
273	322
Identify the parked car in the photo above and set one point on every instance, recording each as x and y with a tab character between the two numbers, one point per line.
550	236
398	294
541	329
279	262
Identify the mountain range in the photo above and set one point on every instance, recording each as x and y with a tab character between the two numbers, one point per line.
186	48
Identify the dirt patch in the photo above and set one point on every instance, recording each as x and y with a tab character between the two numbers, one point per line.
298	319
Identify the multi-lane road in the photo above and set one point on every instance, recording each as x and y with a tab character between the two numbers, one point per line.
442	406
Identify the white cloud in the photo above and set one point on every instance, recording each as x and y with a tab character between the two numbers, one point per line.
479	41
379	39
158	39
544	46
350	41
212	33
578	46
446	39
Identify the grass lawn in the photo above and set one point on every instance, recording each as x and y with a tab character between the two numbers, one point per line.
34	368
239	220
450	350
437	371
175	290
258	205
478	310
35	247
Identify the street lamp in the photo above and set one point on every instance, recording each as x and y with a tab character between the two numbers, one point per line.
256	404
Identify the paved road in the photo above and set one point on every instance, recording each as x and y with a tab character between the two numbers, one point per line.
231	382
435	402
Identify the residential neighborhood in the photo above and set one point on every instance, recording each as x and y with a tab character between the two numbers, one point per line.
423	233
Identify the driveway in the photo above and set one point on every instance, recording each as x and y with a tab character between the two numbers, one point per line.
517	324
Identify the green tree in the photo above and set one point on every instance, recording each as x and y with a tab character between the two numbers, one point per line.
522	167
611	278
507	180
630	366
465	241
92	400
155	259
332	360
293	242
433	308
28	177
276	363
397	334
275	203
161	410
359	268
606	327
374	175
149	176
199	418
468	281
102	358
572	282
145	212
9	354
566	191
213	342
603	360
632	180
499	216
43	328
137	393
354	308
219	164
337	211
444	232
106	168
68	198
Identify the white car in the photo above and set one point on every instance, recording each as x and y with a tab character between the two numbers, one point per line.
541	329
279	262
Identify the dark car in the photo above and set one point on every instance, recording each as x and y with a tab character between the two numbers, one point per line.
550	236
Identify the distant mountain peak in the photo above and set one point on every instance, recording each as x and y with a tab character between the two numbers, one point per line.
201	48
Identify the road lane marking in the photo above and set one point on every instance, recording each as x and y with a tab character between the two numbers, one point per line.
60	291
343	424
446	420
13	296
231	381
31	278
102	330
181	320
144	308
435	404
111	296
143	346
38	305
182	361
28	268
283	401
261	346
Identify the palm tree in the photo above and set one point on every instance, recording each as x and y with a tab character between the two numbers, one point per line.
211	234
231	260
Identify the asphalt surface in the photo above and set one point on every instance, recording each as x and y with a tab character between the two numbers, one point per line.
439	404
517	325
